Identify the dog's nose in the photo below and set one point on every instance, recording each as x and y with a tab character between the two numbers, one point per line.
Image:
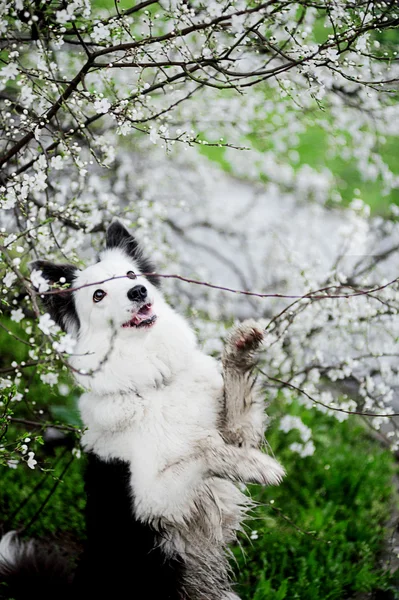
137	293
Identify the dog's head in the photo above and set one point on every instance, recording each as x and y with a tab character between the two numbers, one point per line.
110	294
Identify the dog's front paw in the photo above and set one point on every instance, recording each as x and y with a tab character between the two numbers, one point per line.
242	342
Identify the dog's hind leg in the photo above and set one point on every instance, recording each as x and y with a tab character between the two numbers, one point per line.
243	417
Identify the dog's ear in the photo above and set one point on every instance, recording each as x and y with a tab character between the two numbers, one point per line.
119	237
60	306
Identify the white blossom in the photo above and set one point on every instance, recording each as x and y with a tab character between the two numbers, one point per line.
63	389
17	315
62	16
57	162
303	450
289	422
77	453
49	378
9	279
31	462
100	32
102	105
47	325
124	128
10	71
4	383
66	344
154	135
27	96
10	199
38	281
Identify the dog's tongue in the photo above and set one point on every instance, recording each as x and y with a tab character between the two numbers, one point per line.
143	314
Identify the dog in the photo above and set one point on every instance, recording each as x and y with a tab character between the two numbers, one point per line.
168	435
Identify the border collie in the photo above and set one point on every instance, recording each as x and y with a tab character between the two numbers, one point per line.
168	433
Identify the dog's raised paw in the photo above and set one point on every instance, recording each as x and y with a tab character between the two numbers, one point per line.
243	341
247	336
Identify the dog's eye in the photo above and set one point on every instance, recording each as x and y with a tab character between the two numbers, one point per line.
131	275
98	295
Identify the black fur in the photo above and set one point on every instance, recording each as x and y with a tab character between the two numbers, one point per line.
38	572
61	307
119	237
121	558
121	551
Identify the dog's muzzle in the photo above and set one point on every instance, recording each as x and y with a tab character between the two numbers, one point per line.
143	315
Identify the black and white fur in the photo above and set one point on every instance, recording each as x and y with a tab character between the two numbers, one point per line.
168	434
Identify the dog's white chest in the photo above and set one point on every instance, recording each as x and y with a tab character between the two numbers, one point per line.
161	421
158	427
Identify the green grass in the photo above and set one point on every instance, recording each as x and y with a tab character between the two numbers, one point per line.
45	502
23	490
320	533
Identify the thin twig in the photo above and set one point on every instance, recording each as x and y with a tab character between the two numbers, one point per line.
320	294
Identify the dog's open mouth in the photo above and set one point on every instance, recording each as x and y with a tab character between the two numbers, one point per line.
144	317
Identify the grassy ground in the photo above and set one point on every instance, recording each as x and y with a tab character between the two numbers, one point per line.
319	535
45	503
23	490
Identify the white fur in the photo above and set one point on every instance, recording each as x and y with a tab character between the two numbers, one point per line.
8	547
11	548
